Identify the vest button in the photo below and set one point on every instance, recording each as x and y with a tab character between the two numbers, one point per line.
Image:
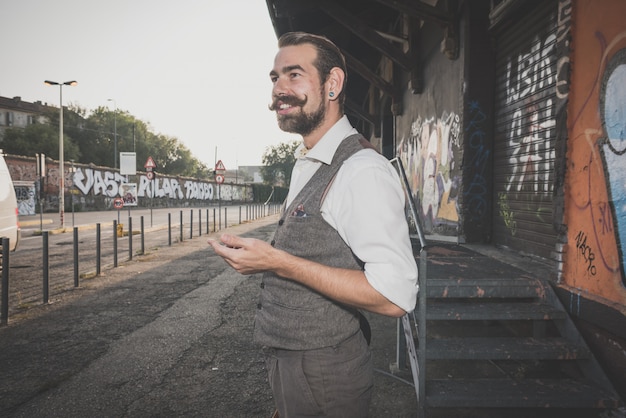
262	285
259	306
282	221
273	243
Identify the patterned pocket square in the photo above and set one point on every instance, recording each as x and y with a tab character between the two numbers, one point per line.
299	212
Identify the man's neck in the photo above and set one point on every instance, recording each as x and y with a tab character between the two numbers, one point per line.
314	137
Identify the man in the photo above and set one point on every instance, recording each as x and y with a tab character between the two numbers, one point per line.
341	245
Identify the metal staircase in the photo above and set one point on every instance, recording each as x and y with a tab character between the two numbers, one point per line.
494	340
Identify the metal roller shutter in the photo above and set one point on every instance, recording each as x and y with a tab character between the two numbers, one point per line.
525	132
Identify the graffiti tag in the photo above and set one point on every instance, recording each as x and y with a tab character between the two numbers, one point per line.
586	252
506	213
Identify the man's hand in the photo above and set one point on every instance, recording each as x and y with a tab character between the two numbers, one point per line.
245	255
249	256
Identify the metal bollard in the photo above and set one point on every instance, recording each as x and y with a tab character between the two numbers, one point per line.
98	250
199	222
191	224
169	229
214	226
130	238
207	222
181	226
4	314
143	242
225	218
114	243
46	268
76	284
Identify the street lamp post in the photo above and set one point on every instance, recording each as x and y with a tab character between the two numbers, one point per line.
61	162
114	131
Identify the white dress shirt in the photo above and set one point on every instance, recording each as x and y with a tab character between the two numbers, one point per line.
365	204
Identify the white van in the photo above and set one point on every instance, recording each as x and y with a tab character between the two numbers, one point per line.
9	221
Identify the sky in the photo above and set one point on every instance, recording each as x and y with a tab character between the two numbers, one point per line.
194	70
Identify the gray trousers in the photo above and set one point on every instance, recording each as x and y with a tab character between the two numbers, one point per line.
326	382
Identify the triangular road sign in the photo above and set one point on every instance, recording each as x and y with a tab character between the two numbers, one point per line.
150	163
220	166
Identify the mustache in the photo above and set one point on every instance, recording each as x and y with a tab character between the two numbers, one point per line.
290	100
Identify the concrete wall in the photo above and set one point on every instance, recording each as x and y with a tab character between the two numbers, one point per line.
95	188
428	136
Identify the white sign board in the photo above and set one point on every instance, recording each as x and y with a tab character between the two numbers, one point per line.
128	163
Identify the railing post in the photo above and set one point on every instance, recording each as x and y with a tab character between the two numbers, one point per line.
225	217
130	238
46	268
143	240
76	284
4	314
199	222
181	226
214	226
191	224
115	243
169	229
98	249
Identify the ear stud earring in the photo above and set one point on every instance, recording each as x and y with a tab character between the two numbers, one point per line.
331	94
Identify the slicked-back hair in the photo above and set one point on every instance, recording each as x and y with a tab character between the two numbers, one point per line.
328	56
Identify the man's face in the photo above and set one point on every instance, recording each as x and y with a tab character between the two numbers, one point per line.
297	95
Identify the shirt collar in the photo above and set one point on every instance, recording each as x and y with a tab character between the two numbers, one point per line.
325	149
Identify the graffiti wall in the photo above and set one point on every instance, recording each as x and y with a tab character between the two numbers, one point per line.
428	156
596	171
95	188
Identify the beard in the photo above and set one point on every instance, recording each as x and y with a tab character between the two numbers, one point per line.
301	123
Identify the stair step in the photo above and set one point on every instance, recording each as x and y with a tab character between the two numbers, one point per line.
518	287
504	348
526	393
508	311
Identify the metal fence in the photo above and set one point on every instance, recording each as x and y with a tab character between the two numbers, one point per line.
59	261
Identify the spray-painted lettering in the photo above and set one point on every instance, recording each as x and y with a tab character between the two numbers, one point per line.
108	184
531	127
508	216
586	252
428	157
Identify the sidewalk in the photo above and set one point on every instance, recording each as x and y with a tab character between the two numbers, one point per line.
51	222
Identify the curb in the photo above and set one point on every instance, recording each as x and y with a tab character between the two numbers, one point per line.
35	223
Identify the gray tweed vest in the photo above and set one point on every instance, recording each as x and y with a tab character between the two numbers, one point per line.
292	316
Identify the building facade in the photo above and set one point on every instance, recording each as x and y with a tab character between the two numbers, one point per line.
509	118
16	113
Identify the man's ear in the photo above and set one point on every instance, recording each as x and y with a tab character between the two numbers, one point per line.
334	83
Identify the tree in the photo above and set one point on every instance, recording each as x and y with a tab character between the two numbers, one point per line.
172	157
39	138
91	140
278	162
